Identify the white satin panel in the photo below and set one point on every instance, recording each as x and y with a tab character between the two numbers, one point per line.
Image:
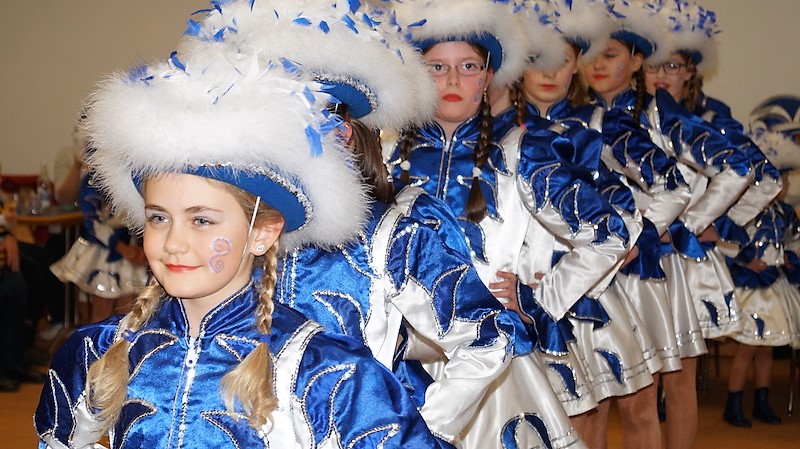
754	200
523	389
466	373
627	339
777	307
688	333
709	282
650	301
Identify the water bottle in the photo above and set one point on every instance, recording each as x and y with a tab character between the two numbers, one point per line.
44	190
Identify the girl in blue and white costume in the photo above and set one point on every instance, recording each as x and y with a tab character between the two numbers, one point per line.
691	54
499	180
229	154
637	299
106	262
770	303
399	280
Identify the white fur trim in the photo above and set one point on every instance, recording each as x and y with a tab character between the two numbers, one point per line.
545	44
224	108
446	18
375	55
693	28
641	18
585	20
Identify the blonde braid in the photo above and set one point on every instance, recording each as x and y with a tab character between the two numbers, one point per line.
108	377
251	381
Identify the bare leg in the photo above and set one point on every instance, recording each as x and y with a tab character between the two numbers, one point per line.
579	423
596	426
639	419
739	365
762	368
681	397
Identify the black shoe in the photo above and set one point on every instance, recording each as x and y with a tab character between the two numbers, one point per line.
761	409
733	413
8	385
28	376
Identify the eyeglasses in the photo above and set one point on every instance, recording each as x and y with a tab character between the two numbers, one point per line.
670	68
438	69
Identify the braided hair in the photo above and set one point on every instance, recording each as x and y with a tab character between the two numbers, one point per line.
249	382
476	202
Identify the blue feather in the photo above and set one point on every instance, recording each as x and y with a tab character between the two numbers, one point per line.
314	140
323	25
350	23
177	62
193	28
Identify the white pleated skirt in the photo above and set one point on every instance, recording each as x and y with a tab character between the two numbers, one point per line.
85	265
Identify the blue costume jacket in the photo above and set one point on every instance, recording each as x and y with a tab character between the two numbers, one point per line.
527	181
766	182
331	393
402	284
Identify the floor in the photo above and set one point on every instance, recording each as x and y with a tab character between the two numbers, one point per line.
17	408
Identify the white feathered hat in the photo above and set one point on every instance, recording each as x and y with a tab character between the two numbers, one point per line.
363	63
584	23
775	128
693	28
637	23
216	112
546	47
491	24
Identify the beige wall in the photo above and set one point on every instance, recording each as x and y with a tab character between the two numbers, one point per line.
758	49
53	52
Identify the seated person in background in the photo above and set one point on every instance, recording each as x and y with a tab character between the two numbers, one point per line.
13	368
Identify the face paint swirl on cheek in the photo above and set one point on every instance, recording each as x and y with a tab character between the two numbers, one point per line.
221	247
478	95
618	73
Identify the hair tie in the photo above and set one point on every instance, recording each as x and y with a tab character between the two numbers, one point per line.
405	165
476	172
265	338
129	335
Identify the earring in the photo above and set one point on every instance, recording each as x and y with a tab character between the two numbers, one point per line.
260	248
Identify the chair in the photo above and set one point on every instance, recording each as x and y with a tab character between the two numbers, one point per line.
794	367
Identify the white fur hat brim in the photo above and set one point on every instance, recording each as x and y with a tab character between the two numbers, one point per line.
546	47
692	28
339	46
637	22
585	23
215	108
443	20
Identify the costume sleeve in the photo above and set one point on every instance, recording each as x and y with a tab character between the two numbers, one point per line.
631	152
434	213
62	418
352	398
440	295
566	202
707	151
